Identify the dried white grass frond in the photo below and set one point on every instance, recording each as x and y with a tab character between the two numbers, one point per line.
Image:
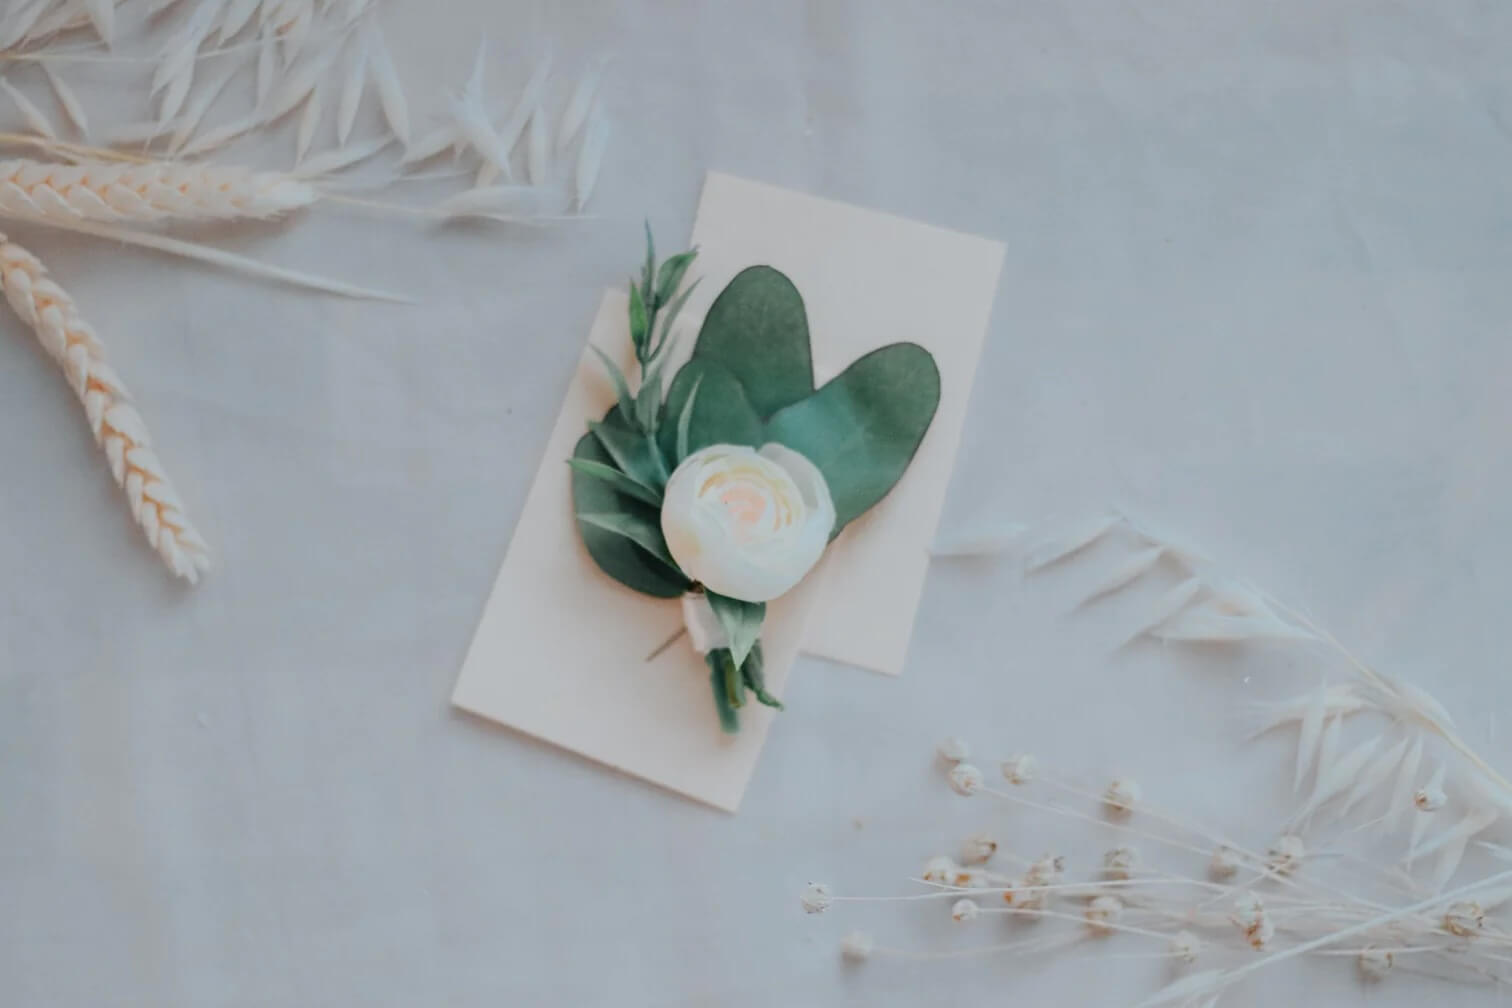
1336	775
1067	539
386	81
36	120
531	95
72	107
267	66
114	420
1166	608
341	158
1123	573
144	193
1374	775
1230	613
590	161
1400	804
352	87
309	122
575	116
102	15
432	144
232	262
538	148
503	202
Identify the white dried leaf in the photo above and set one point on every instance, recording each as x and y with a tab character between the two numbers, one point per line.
530	96
590	159
473	123
981	541
1066	539
1125	572
351	90
1417	705
386	80
38	122
575	116
309	122
1334	776
237	16
1462	831
538	147
1169	606
72	107
267	66
16	27
1177	546
1499	851
102	16
296	88
1374	775
1402	787
1308	736
1227	617
194	113
341	158
504	202
431	144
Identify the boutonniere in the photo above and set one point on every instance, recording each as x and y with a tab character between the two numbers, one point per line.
723	487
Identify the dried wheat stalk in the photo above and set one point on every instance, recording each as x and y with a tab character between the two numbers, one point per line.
144	193
117	426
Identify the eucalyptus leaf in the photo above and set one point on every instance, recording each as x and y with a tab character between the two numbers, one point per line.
648	402
719	661
670	276
639	323
633	452
637	528
757	328
615	555
741	621
754	673
863	427
616	479
685	422
721	414
621	385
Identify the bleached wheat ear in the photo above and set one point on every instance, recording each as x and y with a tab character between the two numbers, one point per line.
54	193
117	426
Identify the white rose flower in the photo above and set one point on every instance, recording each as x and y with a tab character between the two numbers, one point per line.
747	524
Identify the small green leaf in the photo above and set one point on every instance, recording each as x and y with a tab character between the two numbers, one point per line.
648	402
615	555
741	621
863	428
616	479
728	719
722	414
757	328
633	452
645	534
621	385
648	271
670	276
754	673
639	325
685	421
668	337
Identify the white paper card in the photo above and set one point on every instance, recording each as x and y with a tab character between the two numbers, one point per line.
867	279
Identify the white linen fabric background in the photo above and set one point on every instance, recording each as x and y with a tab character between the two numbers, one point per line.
1256	287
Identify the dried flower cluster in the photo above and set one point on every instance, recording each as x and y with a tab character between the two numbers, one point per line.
319	60
1405	773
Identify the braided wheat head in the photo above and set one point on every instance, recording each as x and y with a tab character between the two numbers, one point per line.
117	426
144	193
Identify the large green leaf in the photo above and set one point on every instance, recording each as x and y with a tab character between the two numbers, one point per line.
615	554
721	413
757	329
863	427
741	621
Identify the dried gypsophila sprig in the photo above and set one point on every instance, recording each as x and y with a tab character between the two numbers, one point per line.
113	418
1212	919
1442	935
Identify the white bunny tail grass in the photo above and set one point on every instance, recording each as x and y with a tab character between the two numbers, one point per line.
117	426
144	193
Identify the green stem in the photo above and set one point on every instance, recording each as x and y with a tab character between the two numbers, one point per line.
728	719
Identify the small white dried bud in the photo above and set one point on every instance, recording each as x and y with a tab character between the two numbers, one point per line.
965	778
1464	919
1375	963
1122	795
1102	912
954	750
1028	894
965	910
1225	863
1020	769
978	849
1121	863
941	868
857	946
1429	799
1250	916
1286	854
1185	946
968	878
816	898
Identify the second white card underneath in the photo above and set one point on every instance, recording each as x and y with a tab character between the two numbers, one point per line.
560	650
